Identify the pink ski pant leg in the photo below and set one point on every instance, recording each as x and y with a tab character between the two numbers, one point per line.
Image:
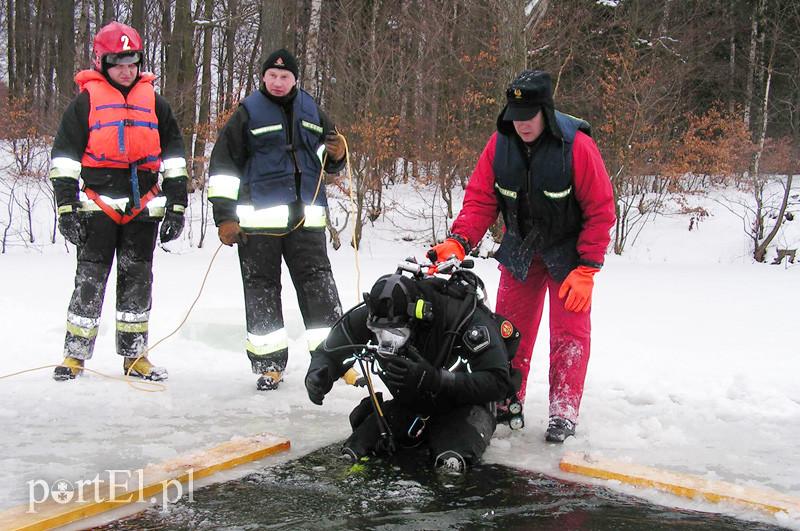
522	303
570	345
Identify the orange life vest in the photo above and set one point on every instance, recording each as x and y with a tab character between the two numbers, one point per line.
123	132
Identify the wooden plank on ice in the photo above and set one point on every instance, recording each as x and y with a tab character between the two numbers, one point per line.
150	484
684	485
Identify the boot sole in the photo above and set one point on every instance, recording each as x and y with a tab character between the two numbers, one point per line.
63	377
149	378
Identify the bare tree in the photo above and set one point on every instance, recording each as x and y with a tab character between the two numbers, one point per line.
310	78
65	65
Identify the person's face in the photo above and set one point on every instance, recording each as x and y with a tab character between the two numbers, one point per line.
529	130
124	75
279	82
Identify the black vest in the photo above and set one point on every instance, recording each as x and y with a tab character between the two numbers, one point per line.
270	171
537	199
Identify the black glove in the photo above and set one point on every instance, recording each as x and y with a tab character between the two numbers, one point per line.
318	384
412	372
172	226
71	226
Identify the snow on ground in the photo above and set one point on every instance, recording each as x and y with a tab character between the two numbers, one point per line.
694	365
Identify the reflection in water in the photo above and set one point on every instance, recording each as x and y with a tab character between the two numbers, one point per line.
320	491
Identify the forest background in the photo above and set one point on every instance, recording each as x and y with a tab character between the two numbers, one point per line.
685	96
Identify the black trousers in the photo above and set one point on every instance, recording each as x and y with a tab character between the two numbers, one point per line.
465	430
133	246
306	258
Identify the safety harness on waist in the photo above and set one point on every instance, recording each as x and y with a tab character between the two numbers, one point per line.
118	217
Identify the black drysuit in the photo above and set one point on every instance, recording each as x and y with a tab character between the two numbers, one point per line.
460	415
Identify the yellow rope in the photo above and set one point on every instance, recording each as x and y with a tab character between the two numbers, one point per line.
154	386
158	387
180	325
355	221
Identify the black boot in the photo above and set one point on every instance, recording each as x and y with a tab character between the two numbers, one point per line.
68	370
558	429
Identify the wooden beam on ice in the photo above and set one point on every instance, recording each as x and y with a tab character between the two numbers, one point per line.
151	484
684	485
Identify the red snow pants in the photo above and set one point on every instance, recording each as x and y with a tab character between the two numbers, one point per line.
570	335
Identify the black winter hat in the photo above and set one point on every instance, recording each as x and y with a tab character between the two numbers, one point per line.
530	91
388	300
280	59
527	94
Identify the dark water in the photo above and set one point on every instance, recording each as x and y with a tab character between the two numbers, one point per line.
319	491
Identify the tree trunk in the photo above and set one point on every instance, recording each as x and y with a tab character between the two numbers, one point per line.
310	64
22	50
513	53
762	133
83	45
47	89
203	119
109	14
65	66
762	243
752	62
230	50
169	63
760	253
137	15
272	28
731	56
11	48
536	16
187	76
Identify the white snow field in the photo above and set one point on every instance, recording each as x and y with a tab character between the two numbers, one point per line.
694	364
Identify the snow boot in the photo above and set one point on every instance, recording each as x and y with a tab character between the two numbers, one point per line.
450	462
68	370
509	411
142	368
269	380
558	429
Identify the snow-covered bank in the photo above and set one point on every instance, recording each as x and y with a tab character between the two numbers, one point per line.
694	366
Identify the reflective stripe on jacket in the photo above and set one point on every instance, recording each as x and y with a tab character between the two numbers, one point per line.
270	171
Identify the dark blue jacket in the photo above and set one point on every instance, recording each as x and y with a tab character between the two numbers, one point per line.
270	171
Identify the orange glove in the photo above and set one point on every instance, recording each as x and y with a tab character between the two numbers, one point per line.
446	249
230	232
577	287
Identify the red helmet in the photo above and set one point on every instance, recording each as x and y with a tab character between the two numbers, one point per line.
116	43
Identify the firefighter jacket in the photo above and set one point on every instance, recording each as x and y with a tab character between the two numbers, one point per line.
478	360
267	159
555	197
117	140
